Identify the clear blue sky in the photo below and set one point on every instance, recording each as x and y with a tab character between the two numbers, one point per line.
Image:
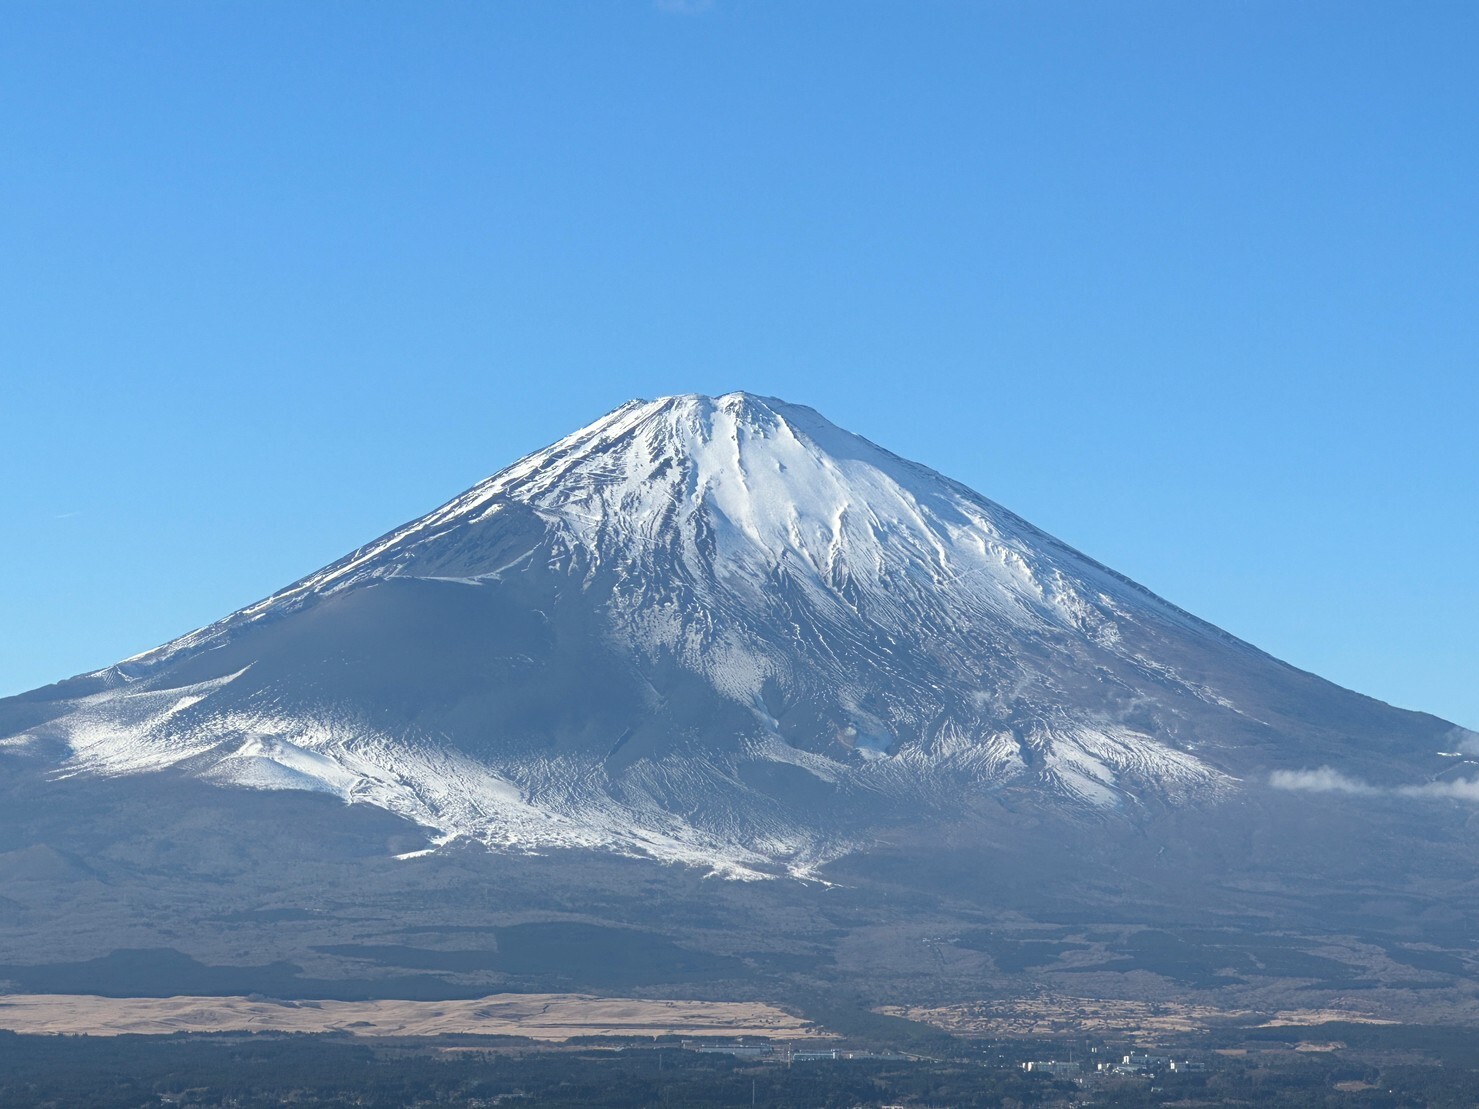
1194	286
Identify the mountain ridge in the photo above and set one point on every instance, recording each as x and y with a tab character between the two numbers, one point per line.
744	398
725	632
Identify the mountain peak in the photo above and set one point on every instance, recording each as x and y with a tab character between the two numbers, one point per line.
734	402
687	423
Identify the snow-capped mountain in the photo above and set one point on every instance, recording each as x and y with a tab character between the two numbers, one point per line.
725	632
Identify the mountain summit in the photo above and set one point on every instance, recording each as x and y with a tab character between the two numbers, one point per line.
721	631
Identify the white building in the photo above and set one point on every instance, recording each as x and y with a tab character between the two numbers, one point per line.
1052	1066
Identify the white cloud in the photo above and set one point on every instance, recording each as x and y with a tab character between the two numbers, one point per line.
1327	779
1464	740
1462	789
1324	780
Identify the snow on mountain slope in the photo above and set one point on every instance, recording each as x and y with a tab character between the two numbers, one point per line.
719	631
742	489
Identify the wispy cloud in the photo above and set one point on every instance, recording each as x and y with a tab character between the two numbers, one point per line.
1326	779
66	515
1323	780
1464	740
1461	789
683	7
